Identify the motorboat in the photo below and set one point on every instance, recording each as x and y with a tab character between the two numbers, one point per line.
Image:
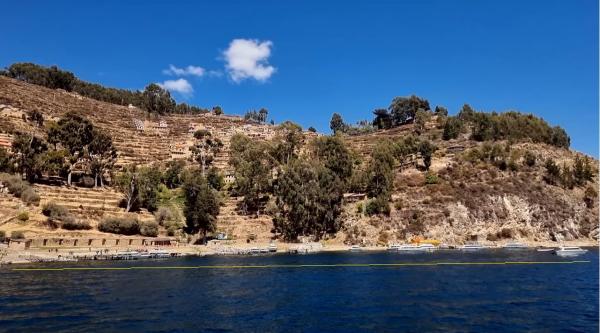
159	253
393	247
472	247
515	246
272	248
128	255
410	248
569	251
427	247
355	248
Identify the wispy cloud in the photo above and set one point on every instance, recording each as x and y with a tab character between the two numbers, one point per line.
248	59
189	70
181	86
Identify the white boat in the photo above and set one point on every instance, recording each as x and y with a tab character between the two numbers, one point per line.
472	247
158	253
569	251
393	247
128	255
272	248
515	246
254	250
427	247
410	248
355	248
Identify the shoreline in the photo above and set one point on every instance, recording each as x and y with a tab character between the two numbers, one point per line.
14	257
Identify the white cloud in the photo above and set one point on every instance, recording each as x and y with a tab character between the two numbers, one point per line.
189	70
181	86
248	58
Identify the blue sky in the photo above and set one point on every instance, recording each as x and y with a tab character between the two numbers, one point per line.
304	60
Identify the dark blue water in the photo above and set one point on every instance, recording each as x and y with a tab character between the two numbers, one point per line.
470	298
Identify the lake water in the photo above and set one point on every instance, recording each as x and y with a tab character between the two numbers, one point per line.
454	298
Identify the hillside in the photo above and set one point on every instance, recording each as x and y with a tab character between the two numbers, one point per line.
466	200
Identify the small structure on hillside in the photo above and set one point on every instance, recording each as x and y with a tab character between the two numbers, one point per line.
229	178
354	197
138	125
6	142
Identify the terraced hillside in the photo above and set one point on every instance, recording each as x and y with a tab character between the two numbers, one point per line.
152	143
462	198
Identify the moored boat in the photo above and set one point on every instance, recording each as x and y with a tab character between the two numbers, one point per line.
472	247
515	246
355	248
409	248
427	247
569	251
272	248
159	253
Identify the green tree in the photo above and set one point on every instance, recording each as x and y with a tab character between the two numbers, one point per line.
308	199
252	164
404	109
201	205
157	100
380	170
421	118
560	138
5	160
103	156
452	128
215	178
172	175
426	148
466	113
337	123
217	111
383	120
441	111
74	133
126	183
287	142
36	117
205	148
28	150
552	175
335	156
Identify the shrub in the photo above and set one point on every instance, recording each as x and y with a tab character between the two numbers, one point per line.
359	208
452	128
529	159
2	235
70	223
118	225
589	196
30	197
54	211
23	216
17	234
163	215
398	205
379	205
149	229
431	178
20	189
